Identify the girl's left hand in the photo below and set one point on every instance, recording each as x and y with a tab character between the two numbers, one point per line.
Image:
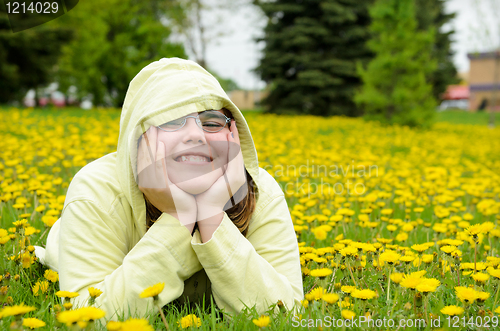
211	202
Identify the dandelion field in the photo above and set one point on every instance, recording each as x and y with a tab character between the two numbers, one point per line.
392	223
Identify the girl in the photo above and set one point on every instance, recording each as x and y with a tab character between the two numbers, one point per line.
182	202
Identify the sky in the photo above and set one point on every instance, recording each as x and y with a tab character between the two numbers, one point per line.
236	53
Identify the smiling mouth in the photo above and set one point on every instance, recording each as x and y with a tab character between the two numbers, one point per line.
193	158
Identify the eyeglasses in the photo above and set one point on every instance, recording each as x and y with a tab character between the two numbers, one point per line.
209	121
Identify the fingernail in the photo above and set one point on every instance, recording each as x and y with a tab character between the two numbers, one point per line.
232	135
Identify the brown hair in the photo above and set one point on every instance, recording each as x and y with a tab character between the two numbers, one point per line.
240	213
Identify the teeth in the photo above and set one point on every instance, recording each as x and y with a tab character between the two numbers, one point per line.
194	158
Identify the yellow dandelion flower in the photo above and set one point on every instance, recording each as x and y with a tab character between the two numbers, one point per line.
348	288
390	256
466	294
452	310
420	248
480	277
262	321
51	275
425	287
40	287
15	310
330	298
363	294
27	260
4	240
487	226
113	326
392	228
494	272
152	291
320	233
321	273
386	211
397	277
188	321
474	230
349	251
348	314
29	231
482	296
136	324
40	208
315	294
407	258
67	294
33	323
91	313
94	292
20	223
448	249
402	236
410	281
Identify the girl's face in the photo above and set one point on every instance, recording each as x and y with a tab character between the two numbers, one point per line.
195	159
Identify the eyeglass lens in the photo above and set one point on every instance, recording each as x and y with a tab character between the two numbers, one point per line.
211	121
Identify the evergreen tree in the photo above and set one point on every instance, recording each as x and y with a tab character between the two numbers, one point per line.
310	55
430	14
27	58
396	86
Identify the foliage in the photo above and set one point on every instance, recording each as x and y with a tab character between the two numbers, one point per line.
112	44
227	84
310	55
430	14
27	58
396	87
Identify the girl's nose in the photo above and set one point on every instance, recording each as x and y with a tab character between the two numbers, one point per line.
192	132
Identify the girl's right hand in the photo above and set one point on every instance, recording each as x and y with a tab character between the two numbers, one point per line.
155	184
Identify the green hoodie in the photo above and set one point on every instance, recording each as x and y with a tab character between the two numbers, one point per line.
101	239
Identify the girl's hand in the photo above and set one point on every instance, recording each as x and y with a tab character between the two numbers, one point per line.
153	181
211	203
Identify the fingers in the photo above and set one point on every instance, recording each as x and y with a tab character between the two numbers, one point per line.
160	165
143	164
234	135
150	137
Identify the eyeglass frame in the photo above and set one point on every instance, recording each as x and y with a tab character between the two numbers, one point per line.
198	122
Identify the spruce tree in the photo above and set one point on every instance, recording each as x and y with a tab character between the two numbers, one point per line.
396	87
310	56
430	14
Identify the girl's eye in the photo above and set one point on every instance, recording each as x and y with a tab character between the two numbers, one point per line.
212	124
172	124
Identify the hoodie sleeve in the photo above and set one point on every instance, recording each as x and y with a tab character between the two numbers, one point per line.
258	270
94	252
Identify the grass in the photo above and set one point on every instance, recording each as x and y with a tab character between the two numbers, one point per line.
452	167
466	117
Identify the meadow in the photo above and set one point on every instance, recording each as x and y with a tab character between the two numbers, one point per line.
394	225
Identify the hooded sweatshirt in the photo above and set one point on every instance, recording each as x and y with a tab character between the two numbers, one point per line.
101	241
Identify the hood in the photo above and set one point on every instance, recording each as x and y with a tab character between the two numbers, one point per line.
163	91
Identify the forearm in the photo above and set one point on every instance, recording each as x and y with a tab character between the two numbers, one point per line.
91	255
209	220
240	276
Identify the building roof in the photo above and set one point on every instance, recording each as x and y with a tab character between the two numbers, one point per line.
484	55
